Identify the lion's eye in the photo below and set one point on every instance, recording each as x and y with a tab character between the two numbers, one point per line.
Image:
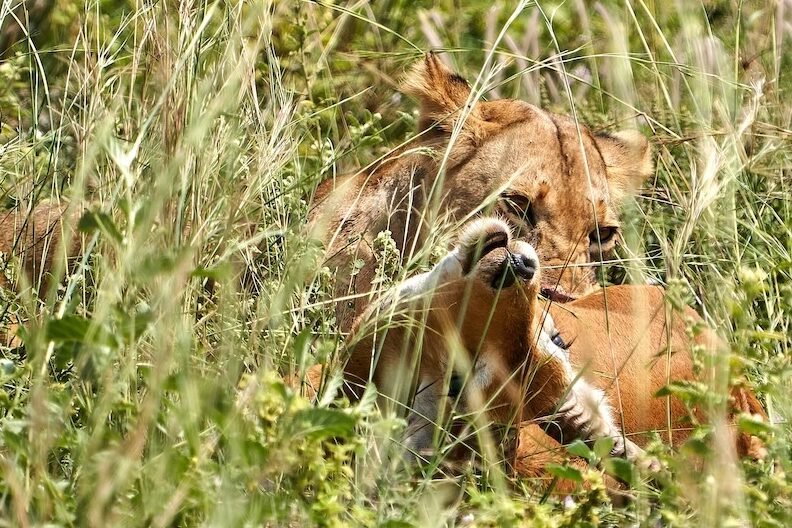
603	236
521	207
559	341
455	385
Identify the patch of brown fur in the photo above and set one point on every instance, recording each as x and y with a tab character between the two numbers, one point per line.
625	342
34	242
38	239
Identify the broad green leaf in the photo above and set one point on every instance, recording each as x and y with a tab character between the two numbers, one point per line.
579	448
159	264
564	472
603	447
92	221
695	446
749	424
217	272
620	468
396	523
77	329
132	324
318	422
685	390
68	328
301	347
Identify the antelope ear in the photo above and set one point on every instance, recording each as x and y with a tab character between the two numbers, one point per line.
442	94
628	161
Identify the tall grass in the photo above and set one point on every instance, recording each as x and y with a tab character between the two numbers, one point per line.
190	136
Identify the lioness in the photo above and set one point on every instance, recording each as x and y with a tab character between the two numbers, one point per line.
470	332
544	173
485	329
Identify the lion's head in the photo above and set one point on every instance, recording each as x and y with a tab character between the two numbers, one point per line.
546	174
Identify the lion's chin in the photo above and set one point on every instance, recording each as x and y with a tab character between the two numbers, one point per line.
557	294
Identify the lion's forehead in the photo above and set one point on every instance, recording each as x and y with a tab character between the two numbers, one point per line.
552	161
547	154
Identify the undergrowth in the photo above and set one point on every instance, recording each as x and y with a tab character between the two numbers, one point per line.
151	386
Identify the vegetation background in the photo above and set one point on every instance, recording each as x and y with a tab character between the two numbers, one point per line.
190	136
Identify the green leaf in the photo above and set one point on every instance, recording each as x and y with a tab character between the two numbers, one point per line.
579	448
63	355
68	328
565	472
749	424
302	347
318	423
620	468
132	324
91	222
76	329
603	447
766	334
217	272
396	523
158	264
695	446
685	390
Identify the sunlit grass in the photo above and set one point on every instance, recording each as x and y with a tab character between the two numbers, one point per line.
189	138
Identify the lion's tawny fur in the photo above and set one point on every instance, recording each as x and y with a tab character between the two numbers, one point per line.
38	239
629	344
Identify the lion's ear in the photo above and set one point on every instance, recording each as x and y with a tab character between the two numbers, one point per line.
628	161
443	93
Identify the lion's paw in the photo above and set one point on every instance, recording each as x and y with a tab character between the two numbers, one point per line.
479	238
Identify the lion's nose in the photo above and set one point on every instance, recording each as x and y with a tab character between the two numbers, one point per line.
516	265
524	266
